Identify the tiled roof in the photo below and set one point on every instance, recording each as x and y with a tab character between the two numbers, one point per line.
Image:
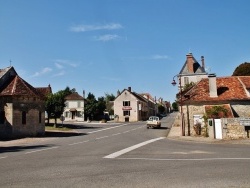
16	86
44	90
228	89
74	96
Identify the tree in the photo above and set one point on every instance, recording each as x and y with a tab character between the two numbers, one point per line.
55	103
242	70
109	98
90	106
161	109
175	106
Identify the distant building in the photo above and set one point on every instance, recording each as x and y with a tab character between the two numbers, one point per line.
74	107
130	106
192	71
22	107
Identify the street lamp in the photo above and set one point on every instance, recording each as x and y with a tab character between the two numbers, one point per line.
180	102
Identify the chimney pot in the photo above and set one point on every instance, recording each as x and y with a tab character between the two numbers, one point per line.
212	85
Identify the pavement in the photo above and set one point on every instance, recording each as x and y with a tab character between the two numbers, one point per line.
175	131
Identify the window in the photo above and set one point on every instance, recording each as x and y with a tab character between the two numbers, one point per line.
126	103
186	80
78	104
23	117
40	117
126	113
2	117
67	114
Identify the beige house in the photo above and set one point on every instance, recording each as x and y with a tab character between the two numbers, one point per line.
22	107
130	106
74	107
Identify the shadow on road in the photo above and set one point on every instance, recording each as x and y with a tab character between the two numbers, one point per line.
21	148
62	134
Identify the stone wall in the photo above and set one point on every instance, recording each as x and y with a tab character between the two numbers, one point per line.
233	130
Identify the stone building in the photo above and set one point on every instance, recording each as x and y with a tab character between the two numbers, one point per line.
231	94
22	107
192	71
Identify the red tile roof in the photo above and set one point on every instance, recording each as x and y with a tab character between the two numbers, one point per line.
44	90
228	88
16	86
74	96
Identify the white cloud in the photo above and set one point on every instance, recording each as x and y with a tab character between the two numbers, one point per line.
84	28
59	66
105	38
160	57
62	73
59	63
42	72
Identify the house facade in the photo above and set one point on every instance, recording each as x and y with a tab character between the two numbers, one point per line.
131	107
22	107
74	107
228	96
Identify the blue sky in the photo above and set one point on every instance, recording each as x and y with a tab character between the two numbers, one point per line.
102	46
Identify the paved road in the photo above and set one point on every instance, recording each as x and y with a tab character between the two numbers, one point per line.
123	155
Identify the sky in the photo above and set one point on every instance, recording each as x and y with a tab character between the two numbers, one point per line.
102	46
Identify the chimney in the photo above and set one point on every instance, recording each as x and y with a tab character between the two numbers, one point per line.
190	63
212	85
83	94
129	89
203	61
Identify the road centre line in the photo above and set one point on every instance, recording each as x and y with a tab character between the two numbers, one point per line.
41	150
126	150
102	137
197	159
116	134
106	129
3	157
78	142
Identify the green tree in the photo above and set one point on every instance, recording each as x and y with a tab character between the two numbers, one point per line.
100	108
161	109
242	70
90	106
175	106
109	98
55	103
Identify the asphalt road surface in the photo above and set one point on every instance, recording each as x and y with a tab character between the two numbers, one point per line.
122	155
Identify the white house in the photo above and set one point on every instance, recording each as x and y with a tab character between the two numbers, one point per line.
74	107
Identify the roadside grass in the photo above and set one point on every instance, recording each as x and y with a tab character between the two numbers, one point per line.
59	127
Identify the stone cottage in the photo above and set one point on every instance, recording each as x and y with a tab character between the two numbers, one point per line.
228	96
22	107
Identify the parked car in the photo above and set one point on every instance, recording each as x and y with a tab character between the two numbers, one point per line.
153	122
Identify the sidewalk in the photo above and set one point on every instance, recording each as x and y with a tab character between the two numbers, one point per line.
175	134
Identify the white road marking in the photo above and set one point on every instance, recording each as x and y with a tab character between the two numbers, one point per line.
41	150
106	129
126	150
3	157
197	159
78	142
102	137
116	134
